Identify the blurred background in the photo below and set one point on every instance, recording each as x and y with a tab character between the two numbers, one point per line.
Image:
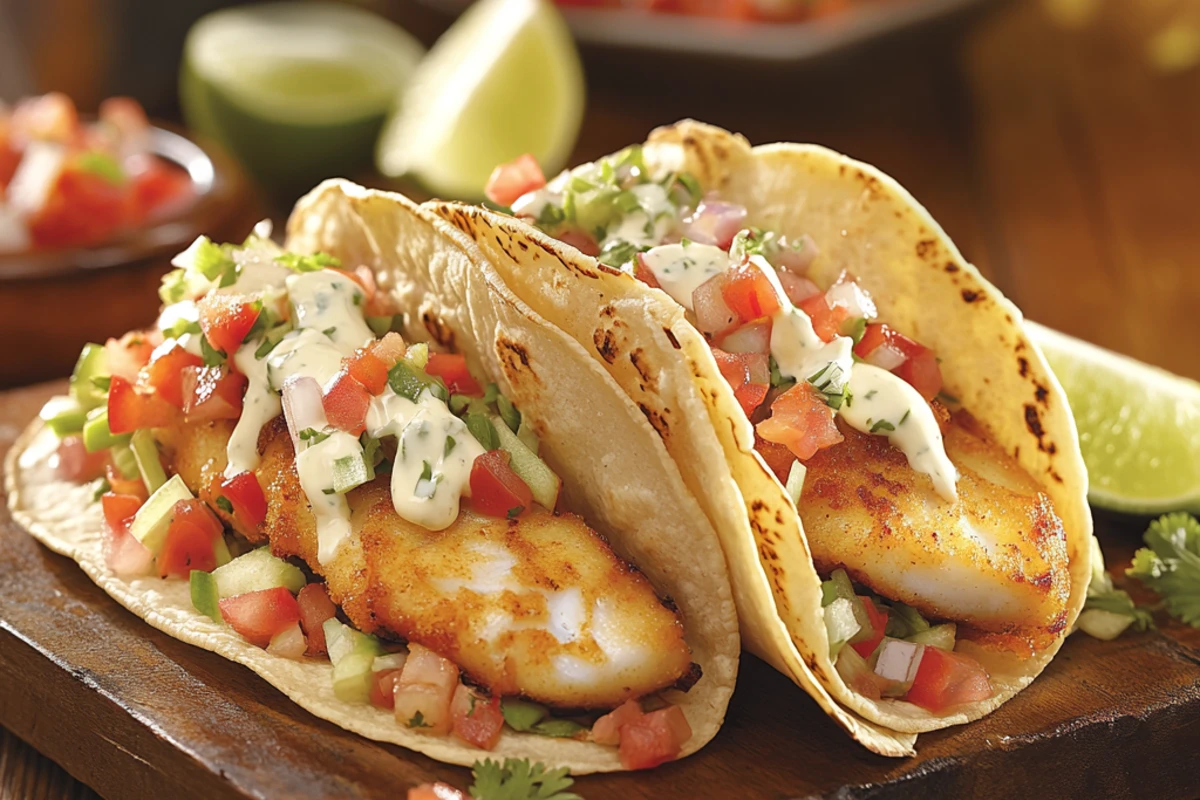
1055	140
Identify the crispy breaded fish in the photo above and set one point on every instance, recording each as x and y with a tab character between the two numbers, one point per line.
538	606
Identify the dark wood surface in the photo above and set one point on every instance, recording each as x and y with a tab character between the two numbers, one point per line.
1060	160
137	714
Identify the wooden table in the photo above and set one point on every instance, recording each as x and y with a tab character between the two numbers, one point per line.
1063	164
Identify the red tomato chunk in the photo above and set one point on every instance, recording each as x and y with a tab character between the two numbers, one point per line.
191	541
801	421
452	369
476	718
495	489
261	615
315	609
946	679
509	181
226	319
246	496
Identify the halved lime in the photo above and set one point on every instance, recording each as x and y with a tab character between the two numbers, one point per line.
1139	426
297	91
503	81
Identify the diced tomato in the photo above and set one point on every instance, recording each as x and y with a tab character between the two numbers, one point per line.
126	356
580	240
607	729
129	410
315	609
191	539
749	292
119	509
654	739
748	374
779	459
158	186
643	273
435	791
211	393
509	181
452	369
82	208
495	489
260	615
878	617
797	287
164	373
50	117
346	404
800	420
76	464
826	321
424	692
123	554
476	718
246	496
369	365
125	115
923	373
912	361
118	483
383	688
226	319
946	679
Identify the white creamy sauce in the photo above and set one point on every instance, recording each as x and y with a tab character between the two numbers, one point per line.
260	406
314	465
886	405
305	352
432	468
681	268
184	311
330	302
531	204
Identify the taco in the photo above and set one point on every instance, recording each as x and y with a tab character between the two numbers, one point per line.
889	460
395	533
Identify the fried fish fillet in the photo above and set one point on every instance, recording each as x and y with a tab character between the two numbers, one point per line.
538	606
996	559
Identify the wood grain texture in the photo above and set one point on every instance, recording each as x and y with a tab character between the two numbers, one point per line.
1057	159
134	713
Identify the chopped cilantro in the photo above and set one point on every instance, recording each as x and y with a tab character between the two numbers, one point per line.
449	448
182	327
418	721
316	261
882	425
174	287
408	380
1170	564
372	454
905	417
214	261
515	512
777	378
618	252
102	165
858	329
313	436
102	486
946	397
271	340
481	428
551	216
516	779
330	331
211	355
224	504
471	710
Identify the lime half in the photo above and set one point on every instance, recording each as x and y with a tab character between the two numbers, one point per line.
503	81
1139	426
297	91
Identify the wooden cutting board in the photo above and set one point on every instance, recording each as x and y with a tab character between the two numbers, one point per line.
135	714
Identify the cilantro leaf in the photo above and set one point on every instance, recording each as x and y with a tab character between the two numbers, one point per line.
1170	565
311	263
515	779
212	260
212	356
418	721
224	504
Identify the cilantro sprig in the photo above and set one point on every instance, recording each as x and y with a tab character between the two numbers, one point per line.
312	263
516	779
1170	564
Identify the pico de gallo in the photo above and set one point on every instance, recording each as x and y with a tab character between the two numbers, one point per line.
69	183
248	333
763	10
797	356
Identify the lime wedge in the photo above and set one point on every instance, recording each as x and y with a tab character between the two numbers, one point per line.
297	91
1139	426
503	81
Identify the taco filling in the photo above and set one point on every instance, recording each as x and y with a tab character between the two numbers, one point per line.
331	491
927	534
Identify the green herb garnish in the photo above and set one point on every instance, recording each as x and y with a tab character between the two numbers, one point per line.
1170	564
518	780
224	504
418	721
299	263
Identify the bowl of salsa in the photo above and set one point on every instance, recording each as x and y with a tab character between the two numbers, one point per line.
91	210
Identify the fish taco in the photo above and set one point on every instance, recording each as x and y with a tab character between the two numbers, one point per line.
890	462
422	513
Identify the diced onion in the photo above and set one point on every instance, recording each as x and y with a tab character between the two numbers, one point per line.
288	643
795	481
898	661
715	222
797	288
796	257
713	314
302	407
886	357
853	298
752	338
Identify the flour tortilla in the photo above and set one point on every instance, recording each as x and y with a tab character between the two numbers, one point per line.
625	485
863	221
